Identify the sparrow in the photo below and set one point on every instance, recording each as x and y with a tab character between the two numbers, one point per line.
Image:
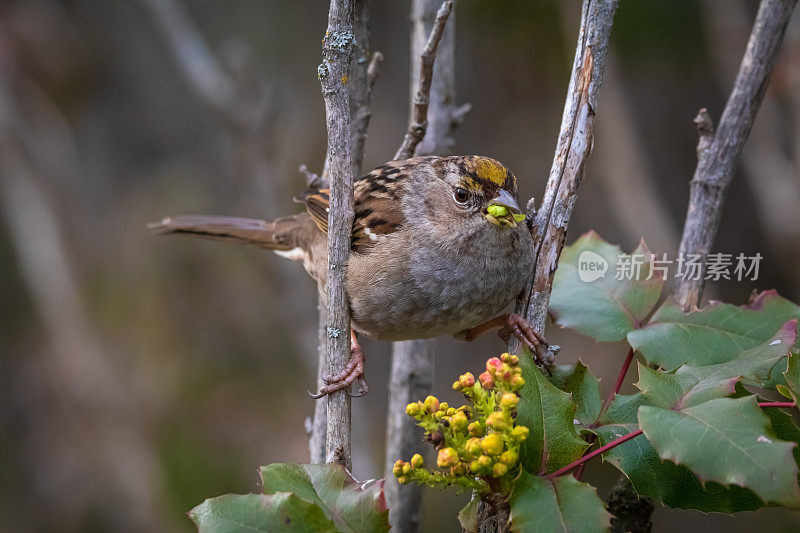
438	247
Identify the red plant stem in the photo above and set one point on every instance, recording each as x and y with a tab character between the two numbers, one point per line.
776	404
598	451
620	380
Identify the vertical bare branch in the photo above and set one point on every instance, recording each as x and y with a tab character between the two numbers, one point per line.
572	150
418	122
716	163
411	375
333	72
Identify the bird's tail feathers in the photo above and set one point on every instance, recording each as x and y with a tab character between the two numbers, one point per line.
281	234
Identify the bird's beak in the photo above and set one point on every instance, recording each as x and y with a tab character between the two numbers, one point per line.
509	216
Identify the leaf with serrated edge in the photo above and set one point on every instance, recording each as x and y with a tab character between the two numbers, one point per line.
606	308
671	484
561	504
578	380
692	385
714	334
351	505
728	441
549	414
279	512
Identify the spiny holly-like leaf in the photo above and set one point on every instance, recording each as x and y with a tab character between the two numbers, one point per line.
562	504
584	387
468	516
279	512
353	506
692	385
728	441
671	484
549	414
588	298
712	335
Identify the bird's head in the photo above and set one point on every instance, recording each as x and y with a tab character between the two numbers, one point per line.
480	188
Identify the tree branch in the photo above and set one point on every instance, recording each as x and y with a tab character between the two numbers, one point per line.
572	150
412	361
718	155
419	116
333	72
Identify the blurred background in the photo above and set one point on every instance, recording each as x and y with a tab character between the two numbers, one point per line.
140	375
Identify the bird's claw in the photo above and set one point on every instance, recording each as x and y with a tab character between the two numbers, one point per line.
354	370
517	325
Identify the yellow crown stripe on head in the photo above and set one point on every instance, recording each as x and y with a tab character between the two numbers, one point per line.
490	170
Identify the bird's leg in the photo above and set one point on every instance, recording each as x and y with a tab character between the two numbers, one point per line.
354	370
509	323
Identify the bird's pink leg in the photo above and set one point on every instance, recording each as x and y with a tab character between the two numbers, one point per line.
354	370
509	323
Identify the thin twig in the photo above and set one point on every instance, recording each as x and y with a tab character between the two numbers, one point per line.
776	404
419	118
598	451
572	151
717	161
337	52
620	380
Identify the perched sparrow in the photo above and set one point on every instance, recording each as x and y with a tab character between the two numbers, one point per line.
437	248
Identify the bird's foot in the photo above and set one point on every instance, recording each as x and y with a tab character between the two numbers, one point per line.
520	328
353	371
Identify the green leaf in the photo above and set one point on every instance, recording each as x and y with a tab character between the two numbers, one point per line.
354	507
604	308
468	516
715	334
792	377
584	387
549	414
728	441
671	484
562	504
280	512
692	385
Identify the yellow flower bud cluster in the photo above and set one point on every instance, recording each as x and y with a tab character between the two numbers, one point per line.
475	444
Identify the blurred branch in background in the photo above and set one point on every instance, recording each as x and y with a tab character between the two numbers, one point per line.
85	446
768	162
718	153
433	110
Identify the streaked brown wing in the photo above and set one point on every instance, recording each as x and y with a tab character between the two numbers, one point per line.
377	206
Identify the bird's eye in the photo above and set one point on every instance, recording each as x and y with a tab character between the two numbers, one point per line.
461	195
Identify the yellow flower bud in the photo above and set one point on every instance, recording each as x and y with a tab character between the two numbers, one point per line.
508	458
457	386
431	404
497	421
475	467
473	447
413	409
444	406
485	461
520	433
476	429
459	421
458	470
499	470
417	461
509	400
447	457
492	444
